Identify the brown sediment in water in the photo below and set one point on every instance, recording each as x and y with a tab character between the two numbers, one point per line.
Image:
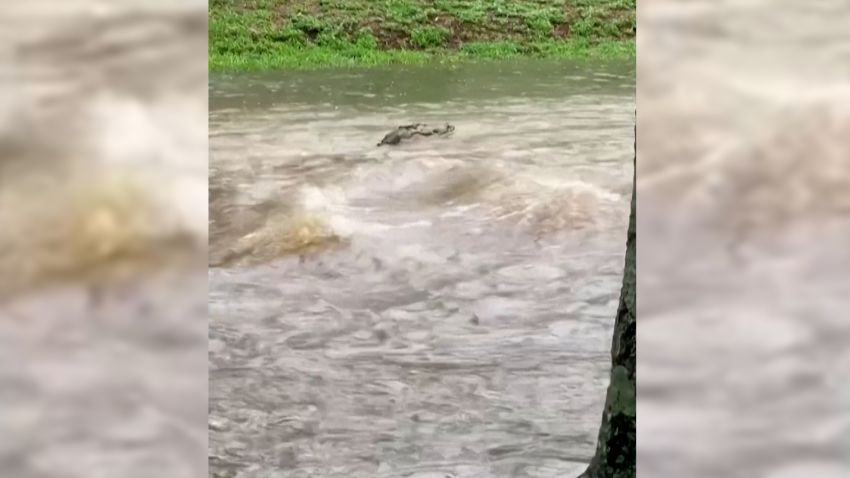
793	168
568	210
540	209
280	236
261	232
59	228
462	185
798	172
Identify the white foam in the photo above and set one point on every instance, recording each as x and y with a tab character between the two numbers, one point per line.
163	144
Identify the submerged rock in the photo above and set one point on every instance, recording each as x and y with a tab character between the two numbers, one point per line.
410	131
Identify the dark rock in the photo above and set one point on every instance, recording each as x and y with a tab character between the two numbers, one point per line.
406	132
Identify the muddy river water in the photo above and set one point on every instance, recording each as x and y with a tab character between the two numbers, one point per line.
441	308
743	205
103	223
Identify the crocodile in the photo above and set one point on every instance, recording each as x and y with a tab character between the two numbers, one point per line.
410	131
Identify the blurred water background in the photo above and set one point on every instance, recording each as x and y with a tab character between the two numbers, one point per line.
744	194
103	220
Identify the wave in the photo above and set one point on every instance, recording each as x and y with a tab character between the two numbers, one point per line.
103	145
302	223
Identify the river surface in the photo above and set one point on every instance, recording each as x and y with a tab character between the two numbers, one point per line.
440	308
103	233
744	222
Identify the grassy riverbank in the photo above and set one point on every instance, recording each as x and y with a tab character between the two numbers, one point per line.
298	34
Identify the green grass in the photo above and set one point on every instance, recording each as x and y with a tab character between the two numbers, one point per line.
286	34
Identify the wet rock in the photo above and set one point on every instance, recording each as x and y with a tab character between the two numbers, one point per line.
407	132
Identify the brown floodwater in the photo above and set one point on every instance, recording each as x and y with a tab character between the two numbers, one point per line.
441	308
103	232
743	205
